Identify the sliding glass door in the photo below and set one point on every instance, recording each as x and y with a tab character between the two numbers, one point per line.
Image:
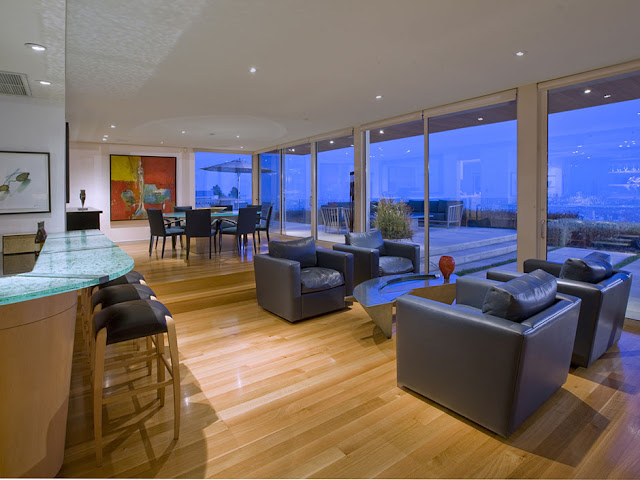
296	218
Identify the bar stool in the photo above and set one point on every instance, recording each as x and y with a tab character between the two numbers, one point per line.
130	277
128	321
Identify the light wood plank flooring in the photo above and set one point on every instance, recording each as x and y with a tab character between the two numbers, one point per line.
263	398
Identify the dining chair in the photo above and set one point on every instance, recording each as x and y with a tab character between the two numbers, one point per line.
178	222
263	223
245	225
199	226
159	229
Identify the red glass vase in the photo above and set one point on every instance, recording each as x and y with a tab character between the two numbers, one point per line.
447	266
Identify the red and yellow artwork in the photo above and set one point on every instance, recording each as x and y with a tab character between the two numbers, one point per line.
138	183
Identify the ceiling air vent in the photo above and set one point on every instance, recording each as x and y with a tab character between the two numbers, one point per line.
14	84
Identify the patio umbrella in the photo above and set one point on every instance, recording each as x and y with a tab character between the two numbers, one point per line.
237	166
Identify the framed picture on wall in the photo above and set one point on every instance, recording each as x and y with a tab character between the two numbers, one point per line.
141	182
26	184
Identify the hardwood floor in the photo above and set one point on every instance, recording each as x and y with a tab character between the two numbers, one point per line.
264	398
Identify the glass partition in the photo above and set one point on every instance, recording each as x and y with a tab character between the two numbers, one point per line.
335	167
593	195
270	187
296	218
472	188
222	179
396	176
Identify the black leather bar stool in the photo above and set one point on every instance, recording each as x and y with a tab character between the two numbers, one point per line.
128	321
131	277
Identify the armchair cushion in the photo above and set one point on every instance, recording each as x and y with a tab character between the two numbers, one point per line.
522	297
370	239
314	279
395	265
593	268
302	250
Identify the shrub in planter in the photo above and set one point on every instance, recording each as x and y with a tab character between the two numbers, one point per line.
393	219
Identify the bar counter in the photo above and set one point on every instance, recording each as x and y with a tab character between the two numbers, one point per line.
37	323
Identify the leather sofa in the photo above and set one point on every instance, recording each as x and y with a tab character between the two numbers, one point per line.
604	304
375	257
297	281
492	370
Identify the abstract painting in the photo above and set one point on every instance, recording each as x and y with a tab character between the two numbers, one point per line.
141	182
24	182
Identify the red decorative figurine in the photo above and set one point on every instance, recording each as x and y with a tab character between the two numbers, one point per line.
447	266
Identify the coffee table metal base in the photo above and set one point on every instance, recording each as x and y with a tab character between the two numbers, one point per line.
378	295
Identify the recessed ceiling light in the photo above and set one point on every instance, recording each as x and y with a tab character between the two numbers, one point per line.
36	47
382	132
292	149
112	126
378	97
480	119
588	90
183	131
520	53
237	136
106	136
607	96
331	141
104	139
253	70
44	82
241	147
161	143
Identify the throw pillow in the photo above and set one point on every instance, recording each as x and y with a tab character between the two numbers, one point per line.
302	250
593	268
522	297
371	239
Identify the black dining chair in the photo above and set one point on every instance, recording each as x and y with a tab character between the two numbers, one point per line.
245	225
263	223
158	229
199	226
178	222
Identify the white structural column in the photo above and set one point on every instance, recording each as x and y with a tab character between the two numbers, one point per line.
532	174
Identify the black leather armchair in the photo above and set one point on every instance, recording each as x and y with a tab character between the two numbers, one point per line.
494	371
604	304
296	281
375	257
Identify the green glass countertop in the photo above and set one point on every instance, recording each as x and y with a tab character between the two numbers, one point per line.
68	261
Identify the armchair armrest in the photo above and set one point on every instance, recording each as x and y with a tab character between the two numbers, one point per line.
340	261
366	262
278	285
502	276
406	250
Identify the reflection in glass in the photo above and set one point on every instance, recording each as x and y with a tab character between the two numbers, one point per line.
297	191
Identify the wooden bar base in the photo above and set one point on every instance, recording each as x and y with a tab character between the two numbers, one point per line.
36	347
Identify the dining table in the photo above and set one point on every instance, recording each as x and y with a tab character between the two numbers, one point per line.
201	243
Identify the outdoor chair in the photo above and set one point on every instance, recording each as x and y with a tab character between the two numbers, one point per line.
158	229
330	218
496	355
297	281
199	226
375	257
604	293
245	225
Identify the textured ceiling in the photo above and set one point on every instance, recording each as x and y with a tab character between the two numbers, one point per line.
41	22
155	68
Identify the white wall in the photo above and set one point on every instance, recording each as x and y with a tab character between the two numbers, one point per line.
35	125
89	170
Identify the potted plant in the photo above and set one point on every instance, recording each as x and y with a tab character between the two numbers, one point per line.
393	219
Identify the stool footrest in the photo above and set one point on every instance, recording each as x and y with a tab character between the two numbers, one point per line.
147	388
140	358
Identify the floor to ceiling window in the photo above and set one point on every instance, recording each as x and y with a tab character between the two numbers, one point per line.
334	177
222	179
472	187
270	187
593	193
396	179
296	217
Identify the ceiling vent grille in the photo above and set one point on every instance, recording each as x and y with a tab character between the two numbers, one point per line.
14	84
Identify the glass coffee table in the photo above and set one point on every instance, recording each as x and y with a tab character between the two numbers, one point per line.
378	295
